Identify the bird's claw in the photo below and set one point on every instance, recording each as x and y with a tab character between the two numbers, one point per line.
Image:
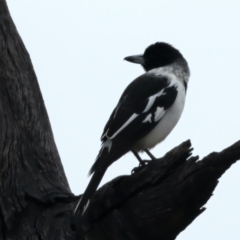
144	162
141	166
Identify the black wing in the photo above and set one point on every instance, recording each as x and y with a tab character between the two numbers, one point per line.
141	107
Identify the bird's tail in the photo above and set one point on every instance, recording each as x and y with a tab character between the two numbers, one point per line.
108	153
90	190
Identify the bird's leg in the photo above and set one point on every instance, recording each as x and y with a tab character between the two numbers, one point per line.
142	162
138	157
150	154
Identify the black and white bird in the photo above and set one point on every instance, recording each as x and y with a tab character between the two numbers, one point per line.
146	113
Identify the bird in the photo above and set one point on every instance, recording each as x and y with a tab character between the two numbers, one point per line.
147	111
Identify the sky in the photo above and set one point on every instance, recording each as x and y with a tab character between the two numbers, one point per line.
77	49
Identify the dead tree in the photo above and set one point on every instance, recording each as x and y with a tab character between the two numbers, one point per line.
156	202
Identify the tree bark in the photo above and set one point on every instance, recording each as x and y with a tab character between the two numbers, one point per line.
155	202
30	164
159	201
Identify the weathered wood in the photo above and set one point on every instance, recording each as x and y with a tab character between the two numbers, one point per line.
30	165
156	202
159	201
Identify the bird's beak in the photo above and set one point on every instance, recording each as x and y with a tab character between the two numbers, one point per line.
135	59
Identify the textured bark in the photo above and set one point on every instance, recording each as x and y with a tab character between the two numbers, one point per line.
30	165
156	202
159	201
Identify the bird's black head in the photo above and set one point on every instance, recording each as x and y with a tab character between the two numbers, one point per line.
156	55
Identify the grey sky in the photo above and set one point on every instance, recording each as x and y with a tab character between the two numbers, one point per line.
77	49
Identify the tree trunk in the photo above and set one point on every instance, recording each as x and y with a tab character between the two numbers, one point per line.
155	202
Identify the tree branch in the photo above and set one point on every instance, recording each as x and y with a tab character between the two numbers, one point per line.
159	201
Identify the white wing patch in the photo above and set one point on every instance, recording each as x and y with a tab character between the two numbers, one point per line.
124	125
108	144
148	118
152	99
159	113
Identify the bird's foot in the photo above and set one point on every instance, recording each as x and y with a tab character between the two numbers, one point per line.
144	162
142	165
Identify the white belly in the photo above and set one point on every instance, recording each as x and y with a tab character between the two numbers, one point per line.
166	124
